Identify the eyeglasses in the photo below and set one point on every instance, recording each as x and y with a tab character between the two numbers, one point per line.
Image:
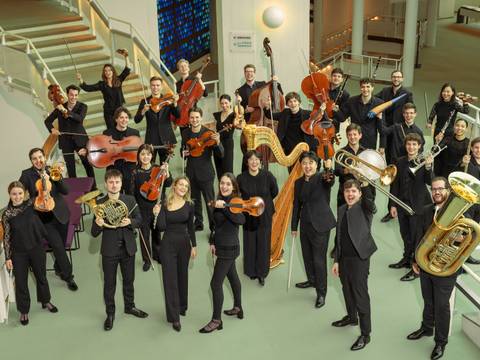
438	189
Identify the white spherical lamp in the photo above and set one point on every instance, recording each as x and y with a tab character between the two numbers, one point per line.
273	17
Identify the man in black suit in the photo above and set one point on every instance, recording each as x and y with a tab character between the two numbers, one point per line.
159	126
55	221
121	130
199	169
70	121
354	245
412	190
118	248
336	80
248	87
436	290
312	209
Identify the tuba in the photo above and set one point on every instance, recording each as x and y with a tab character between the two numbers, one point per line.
111	211
451	238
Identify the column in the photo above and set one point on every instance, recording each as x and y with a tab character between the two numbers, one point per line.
432	16
357	27
317	29
409	42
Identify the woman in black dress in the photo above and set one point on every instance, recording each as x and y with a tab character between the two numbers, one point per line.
140	175
225	245
224	118
178	245
24	233
457	145
111	88
257	230
447	107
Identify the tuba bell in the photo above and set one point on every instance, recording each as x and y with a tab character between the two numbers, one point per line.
112	211
451	238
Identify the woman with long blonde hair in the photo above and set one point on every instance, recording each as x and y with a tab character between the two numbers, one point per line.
178	245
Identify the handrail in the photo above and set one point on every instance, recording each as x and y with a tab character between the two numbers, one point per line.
471	272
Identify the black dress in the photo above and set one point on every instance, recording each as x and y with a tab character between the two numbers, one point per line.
176	245
225	164
112	96
451	157
445	111
24	233
257	231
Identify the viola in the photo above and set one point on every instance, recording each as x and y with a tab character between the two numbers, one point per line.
197	145
190	93
157	104
152	189
44	201
255	206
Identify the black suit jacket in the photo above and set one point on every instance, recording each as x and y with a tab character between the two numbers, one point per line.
73	123
61	212
112	237
313	197
359	219
159	127
201	167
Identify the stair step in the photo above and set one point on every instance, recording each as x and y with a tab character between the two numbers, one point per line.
96	119
96	110
127	87
60	61
54	42
471	327
32	34
75	50
62	21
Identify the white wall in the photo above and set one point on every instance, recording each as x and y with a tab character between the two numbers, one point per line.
142	14
287	42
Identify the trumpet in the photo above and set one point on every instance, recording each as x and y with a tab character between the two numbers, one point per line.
420	160
370	166
56	171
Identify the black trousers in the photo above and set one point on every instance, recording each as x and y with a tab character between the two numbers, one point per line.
127	267
314	252
108	116
34	258
225	164
57	234
411	232
175	257
204	188
150	235
354	277
70	162
224	268
256	251
436	292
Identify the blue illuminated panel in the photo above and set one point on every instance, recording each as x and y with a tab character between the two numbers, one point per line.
184	30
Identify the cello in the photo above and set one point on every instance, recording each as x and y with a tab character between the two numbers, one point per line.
190	93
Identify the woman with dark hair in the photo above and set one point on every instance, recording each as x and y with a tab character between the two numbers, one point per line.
225	245
140	175
23	236
178	245
445	110
257	231
111	88
457	145
224	118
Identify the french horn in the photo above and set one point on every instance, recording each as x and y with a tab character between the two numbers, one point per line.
112	211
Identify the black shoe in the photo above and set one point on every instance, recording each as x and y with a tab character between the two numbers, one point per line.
386	218
404	263
212	326
108	324
177	326
320	301
183	312
346	320
304	285
410	276
50	307
199	227
418	334
236	311
72	285
146	266
472	261
437	352
136	312
332	253
252	277
24	319
361	342
261	281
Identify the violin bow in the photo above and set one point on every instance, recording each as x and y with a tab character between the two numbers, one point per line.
374	75
71	57
141	80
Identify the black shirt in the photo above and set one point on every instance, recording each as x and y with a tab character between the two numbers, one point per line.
451	157
445	111
177	221
397	133
294	134
348	250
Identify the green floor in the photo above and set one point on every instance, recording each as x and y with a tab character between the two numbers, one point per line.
277	324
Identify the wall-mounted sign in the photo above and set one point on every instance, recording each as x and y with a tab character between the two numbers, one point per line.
242	41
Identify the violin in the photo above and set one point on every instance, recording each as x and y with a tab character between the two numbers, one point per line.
466	98
44	201
255	206
157	104
152	189
197	145
190	93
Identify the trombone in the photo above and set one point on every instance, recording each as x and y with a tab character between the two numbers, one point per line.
370	166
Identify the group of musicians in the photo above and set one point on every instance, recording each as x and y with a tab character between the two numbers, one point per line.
168	227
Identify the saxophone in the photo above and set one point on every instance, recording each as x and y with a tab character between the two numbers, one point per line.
451	238
262	135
